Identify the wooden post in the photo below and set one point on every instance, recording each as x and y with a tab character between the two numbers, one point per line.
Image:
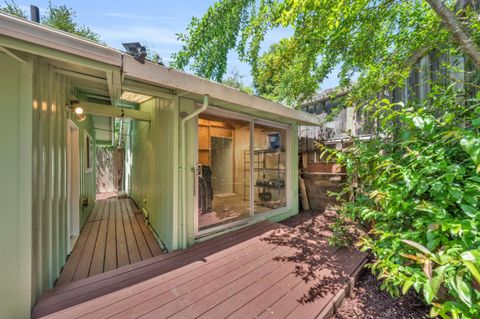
303	194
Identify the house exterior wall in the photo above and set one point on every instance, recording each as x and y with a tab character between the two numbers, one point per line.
155	168
15	187
51	92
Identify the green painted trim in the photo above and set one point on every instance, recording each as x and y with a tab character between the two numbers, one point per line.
54	54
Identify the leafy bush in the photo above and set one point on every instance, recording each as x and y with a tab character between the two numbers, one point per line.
418	196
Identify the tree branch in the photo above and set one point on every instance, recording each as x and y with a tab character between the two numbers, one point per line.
460	36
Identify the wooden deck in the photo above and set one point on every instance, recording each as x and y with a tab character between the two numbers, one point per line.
115	235
264	270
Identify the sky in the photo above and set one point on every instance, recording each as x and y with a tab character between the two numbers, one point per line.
153	23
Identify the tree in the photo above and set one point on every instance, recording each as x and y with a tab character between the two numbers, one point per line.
378	40
62	18
456	29
235	80
58	17
12	8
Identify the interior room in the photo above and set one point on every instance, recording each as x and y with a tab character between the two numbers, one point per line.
231	154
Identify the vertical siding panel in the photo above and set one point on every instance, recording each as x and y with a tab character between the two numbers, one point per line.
43	227
62	131
53	176
35	181
48	178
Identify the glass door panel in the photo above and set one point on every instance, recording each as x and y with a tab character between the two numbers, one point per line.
223	185
269	168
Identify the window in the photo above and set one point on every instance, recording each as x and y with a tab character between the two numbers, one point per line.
89	152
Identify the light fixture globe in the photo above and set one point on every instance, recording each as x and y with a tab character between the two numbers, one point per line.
78	110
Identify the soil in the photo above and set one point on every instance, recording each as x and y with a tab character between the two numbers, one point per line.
366	300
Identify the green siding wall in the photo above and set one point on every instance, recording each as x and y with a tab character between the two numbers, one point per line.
51	92
15	187
154	167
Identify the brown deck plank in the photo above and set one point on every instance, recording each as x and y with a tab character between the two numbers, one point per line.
238	275
170	302
250	302
214	246
111	244
337	277
122	300
151	241
83	266
96	208
288	302
142	245
90	288
121	241
227	296
133	252
68	271
98	258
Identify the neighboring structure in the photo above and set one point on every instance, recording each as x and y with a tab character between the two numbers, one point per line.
200	158
337	131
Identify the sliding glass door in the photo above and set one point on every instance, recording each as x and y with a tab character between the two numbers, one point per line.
242	170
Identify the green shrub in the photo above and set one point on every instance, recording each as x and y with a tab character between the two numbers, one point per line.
418	197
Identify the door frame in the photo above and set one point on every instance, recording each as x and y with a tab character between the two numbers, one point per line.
73	183
288	183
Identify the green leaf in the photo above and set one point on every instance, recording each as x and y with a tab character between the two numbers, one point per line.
471	145
463	290
470	211
406	285
428	293
418	246
456	193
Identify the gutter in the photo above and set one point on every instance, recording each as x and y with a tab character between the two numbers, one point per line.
183	169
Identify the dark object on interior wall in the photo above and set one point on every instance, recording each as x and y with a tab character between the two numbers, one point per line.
84	201
205	190
273	183
274	141
265	196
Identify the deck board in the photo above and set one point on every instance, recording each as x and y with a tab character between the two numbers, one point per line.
143	248
122	251
102	244
111	252
262	270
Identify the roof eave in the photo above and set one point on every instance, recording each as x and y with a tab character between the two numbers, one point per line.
156	74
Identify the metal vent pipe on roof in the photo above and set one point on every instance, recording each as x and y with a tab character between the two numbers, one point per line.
34	14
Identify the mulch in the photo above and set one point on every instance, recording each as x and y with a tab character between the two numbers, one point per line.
366	300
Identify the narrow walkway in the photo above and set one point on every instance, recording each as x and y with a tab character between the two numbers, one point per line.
261	271
115	235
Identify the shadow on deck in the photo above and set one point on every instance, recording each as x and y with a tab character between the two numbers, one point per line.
265	270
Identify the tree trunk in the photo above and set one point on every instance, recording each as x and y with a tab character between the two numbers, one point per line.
459	34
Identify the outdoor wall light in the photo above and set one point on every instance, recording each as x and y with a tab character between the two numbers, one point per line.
77	109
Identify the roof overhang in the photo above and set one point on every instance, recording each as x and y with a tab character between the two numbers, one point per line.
44	41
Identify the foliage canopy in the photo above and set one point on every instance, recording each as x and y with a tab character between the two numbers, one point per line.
375	40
